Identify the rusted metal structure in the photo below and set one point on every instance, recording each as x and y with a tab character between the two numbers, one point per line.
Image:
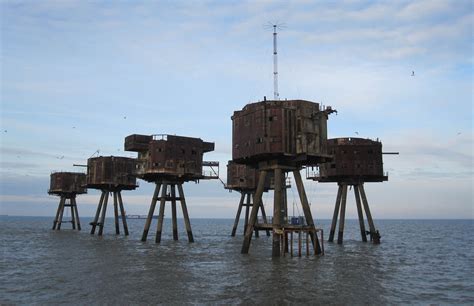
244	179
356	161
169	161
67	185
111	175
279	137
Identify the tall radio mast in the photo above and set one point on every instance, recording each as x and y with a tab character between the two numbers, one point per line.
275	26
276	95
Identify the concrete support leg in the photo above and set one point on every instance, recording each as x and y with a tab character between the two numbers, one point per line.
360	214
336	213
159	227
104	210
173	212
253	214
78	222
61	212
97	213
373	232
58	211
187	222
307	210
237	216
247	211
277	213
342	217
264	215
151	211
122	212
73	217
116	216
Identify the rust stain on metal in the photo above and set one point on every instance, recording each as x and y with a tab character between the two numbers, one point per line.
355	160
293	130
111	173
67	183
161	156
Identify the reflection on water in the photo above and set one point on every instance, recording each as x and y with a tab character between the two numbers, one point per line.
417	262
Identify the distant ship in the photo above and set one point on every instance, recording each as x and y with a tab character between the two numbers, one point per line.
139	217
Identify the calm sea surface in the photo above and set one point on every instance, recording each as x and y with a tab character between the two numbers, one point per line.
418	262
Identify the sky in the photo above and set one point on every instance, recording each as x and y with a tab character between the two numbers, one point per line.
79	76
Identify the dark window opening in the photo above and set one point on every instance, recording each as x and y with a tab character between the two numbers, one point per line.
333	166
370	151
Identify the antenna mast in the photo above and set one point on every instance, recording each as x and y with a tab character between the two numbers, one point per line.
276	95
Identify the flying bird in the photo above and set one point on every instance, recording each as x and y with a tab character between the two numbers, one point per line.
413	73
124	117
5	131
459	133
357	133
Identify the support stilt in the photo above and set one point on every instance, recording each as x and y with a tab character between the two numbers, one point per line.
78	222
237	217
104	210
58	212
173	212
151	211
247	211
277	216
359	193
342	217
162	213
163	186
360	214
97	213
99	218
122	212
253	214
185	213
336	213
307	211
67	200
116	217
